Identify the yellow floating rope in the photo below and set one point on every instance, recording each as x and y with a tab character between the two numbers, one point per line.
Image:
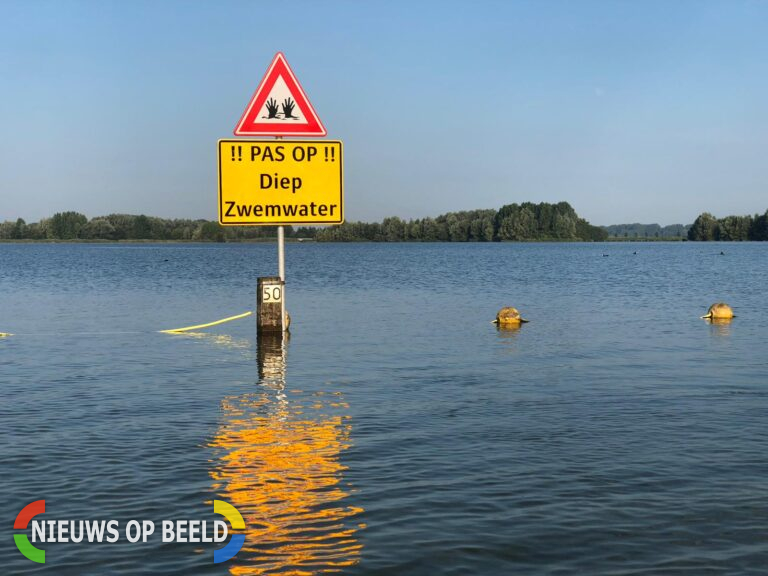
188	328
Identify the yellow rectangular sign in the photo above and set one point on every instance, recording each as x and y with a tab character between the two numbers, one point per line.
280	182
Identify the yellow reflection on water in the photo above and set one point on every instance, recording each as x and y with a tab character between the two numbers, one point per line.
720	326
507	335
280	467
508	330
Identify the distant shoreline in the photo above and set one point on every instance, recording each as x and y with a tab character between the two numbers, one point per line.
144	241
313	241
526	222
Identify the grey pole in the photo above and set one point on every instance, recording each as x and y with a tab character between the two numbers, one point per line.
281	268
281	263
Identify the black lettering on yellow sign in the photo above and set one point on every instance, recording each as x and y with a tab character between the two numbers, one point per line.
278	182
282	182
277	153
267	153
235	210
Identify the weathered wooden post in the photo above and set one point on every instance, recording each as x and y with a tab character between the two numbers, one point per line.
269	304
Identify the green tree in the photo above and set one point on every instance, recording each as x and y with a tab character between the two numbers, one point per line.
19	229
141	228
66	225
209	232
735	228
759	228
481	226
305	232
585	231
99	229
393	229
705	227
564	227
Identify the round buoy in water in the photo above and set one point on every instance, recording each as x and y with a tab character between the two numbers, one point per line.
719	311
508	316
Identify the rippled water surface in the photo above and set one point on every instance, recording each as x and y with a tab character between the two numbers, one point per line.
397	431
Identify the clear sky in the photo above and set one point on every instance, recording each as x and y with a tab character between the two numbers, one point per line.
629	110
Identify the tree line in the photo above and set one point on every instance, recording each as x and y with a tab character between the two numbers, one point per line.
115	227
513	222
520	222
647	231
731	228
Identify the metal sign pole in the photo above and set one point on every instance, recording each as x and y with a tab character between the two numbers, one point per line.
281	268
281	264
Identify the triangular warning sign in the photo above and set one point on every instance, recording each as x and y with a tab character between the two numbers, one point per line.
279	107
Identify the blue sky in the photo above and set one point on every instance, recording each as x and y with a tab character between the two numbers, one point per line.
631	111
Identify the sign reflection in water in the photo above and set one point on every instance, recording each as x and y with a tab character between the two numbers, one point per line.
279	465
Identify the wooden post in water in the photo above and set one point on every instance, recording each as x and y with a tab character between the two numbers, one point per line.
269	304
270	355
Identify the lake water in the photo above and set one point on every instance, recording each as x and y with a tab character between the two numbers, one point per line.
397	432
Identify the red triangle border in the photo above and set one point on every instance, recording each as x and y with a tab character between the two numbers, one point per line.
249	125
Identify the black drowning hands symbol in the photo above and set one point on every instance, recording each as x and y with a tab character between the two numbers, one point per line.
273	108
288	106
